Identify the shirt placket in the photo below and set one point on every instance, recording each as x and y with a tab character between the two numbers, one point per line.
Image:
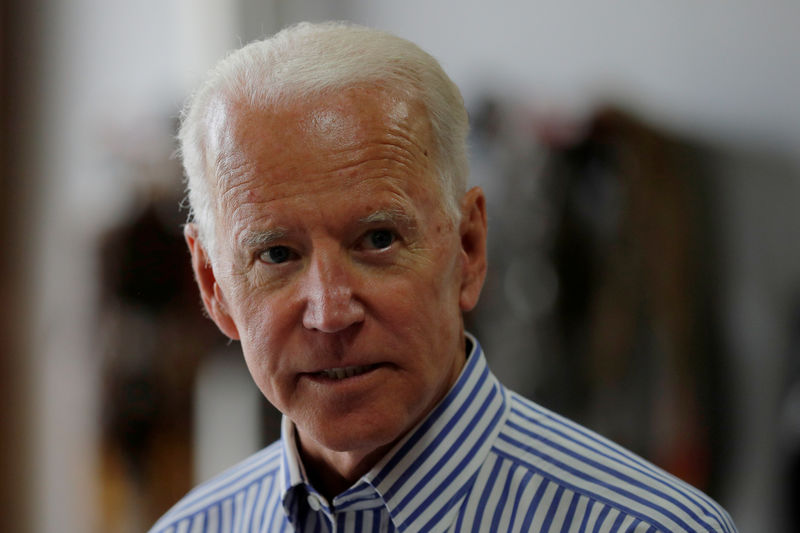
345	520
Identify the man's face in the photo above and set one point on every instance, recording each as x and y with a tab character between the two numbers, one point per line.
337	266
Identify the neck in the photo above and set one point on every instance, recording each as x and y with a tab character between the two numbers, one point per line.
332	472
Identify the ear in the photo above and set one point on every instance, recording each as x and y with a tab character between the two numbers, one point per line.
473	229
210	291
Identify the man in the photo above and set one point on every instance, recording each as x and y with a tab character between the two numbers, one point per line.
332	234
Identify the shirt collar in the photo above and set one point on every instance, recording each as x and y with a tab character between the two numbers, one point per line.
427	474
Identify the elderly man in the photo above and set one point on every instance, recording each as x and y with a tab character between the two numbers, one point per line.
333	235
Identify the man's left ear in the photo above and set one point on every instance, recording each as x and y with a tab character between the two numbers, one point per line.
473	230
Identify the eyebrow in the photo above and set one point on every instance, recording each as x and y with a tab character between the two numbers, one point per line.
264	238
393	216
256	239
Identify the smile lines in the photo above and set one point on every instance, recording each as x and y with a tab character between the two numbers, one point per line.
345	372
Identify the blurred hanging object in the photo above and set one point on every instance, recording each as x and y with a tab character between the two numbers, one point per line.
634	254
153	337
601	290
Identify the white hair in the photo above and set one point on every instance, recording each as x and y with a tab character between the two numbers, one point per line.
309	60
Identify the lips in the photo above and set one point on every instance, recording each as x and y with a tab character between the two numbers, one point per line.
344	372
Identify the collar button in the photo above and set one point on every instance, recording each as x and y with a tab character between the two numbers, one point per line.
314	502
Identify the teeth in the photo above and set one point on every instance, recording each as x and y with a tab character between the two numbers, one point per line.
345	372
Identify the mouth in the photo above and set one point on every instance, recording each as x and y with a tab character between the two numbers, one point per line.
344	372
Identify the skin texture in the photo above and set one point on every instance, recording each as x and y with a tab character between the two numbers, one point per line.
334	251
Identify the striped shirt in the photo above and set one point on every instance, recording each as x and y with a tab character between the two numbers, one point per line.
484	459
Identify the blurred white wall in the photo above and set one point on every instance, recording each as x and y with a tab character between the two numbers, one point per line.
719	69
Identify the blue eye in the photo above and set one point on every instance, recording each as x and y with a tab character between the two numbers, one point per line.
382	238
276	254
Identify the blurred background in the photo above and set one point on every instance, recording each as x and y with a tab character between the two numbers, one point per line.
642	167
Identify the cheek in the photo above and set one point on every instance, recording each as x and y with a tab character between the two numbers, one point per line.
446	279
264	366
426	301
263	326
258	312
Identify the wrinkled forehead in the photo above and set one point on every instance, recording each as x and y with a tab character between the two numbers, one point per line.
321	123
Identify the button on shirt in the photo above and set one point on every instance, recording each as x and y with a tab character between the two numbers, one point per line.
485	459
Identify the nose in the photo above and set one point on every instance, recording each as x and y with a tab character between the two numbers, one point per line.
330	304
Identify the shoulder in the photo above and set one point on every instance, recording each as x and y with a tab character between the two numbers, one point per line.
589	468
252	479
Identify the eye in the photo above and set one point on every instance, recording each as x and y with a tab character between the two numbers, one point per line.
276	255
380	239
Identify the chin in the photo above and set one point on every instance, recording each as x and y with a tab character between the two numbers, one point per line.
356	436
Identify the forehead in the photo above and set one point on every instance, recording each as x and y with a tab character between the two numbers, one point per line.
324	126
347	139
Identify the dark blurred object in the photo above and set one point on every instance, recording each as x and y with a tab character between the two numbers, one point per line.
602	282
154	337
145	261
637	313
789	428
18	214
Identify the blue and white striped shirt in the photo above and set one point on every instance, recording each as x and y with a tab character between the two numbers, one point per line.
485	459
